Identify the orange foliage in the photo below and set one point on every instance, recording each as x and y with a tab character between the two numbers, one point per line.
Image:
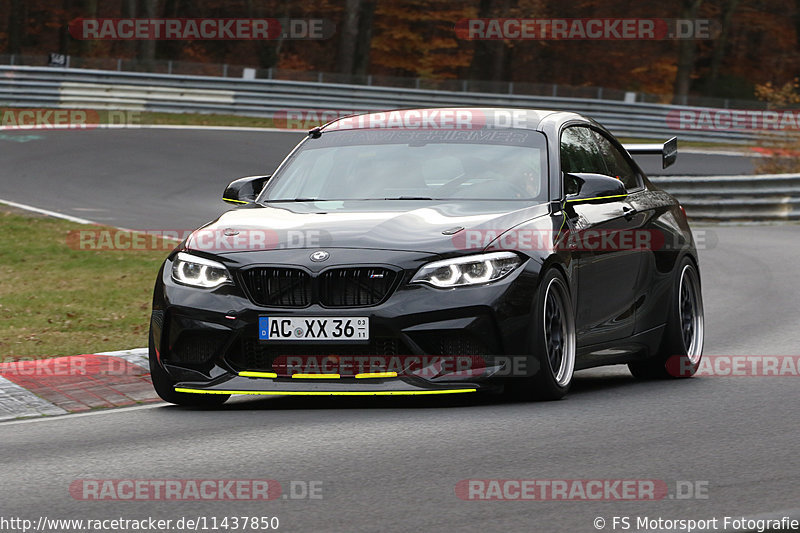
417	38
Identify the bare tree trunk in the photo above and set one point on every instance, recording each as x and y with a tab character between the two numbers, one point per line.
172	49
89	8
127	48
129	8
63	30
722	41
348	37
501	60
686	49
797	22
266	51
482	49
147	48
16	19
491	58
364	46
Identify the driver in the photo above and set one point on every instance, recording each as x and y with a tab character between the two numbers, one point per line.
525	175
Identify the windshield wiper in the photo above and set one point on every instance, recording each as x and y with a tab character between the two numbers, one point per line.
292	200
410	198
284	200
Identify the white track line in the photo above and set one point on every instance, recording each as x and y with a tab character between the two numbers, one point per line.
47	212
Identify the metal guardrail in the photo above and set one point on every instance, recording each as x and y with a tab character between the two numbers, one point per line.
758	198
225	70
99	89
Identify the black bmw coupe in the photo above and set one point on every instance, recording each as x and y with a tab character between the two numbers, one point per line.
433	251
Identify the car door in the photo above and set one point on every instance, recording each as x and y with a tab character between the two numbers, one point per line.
607	265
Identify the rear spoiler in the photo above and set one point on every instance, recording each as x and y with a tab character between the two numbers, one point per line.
668	151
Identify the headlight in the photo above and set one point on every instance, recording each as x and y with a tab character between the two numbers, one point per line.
199	271
470	270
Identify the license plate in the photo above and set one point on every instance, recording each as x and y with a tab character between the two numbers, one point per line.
313	328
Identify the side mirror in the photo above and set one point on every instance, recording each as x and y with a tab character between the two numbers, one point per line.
593	188
244	190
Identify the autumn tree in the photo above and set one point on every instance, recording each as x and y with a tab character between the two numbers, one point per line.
780	150
757	42
417	38
355	37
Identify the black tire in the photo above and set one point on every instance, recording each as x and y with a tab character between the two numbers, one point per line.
553	342
681	348
164	386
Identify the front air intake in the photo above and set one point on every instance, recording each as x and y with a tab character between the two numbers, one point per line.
355	287
278	287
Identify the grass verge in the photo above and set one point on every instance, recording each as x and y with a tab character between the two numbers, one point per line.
202	119
56	300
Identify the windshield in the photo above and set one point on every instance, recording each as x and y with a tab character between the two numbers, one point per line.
414	165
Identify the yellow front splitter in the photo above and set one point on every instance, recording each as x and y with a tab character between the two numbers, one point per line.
327	393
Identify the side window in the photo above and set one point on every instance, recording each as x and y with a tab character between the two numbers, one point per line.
616	164
579	153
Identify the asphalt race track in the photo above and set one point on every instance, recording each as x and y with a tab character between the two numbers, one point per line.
393	464
138	178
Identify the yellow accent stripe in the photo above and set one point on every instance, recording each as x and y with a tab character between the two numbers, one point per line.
597	198
376	375
231	200
248	374
316	376
327	393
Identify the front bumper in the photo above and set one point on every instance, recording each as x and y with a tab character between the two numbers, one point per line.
205	338
328	387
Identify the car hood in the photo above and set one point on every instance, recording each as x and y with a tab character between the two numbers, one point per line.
406	225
